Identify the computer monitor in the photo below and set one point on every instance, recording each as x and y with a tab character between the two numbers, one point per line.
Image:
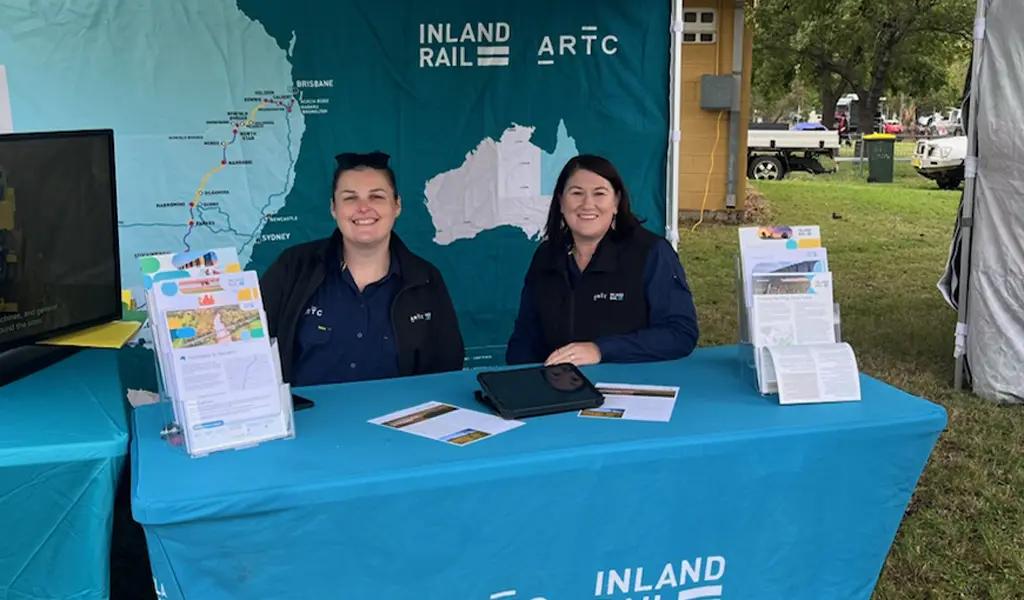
59	269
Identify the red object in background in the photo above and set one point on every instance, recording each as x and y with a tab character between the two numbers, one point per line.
842	125
892	128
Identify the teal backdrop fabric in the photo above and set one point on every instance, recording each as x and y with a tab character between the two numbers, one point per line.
736	497
228	114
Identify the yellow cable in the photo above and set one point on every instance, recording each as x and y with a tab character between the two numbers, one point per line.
718	134
711	169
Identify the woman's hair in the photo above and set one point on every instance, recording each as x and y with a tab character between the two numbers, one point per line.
624	222
353	161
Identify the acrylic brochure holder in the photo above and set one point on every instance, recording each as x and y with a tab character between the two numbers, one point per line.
218	374
749	357
746	359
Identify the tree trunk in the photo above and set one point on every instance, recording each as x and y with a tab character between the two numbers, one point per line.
857	111
866	107
829	97
869	100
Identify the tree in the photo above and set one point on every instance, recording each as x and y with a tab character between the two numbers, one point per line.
947	91
868	47
775	104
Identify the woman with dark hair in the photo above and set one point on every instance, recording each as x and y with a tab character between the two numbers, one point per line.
601	287
359	304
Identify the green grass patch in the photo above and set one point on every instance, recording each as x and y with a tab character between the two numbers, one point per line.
963	534
850	173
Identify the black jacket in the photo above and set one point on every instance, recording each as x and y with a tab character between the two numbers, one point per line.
426	329
586	313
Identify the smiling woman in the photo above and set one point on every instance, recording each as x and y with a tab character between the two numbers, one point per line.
359	305
601	288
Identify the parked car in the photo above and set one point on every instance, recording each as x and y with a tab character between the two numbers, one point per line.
941	125
808	126
892	126
942	160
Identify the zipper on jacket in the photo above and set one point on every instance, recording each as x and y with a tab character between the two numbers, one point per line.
572	308
306	295
394	323
572	317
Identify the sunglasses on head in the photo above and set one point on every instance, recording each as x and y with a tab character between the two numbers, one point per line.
351	160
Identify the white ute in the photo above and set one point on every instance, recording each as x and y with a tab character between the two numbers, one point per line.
771	153
941	159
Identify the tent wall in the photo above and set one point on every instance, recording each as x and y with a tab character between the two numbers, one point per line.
995	306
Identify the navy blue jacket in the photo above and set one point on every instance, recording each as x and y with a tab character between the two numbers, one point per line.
633	301
426	329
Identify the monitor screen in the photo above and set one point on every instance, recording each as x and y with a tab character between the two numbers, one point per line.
58	234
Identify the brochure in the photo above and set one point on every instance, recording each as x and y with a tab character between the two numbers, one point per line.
631	402
222	369
792	309
446	423
815	373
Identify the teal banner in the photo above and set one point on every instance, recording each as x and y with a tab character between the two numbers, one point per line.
228	117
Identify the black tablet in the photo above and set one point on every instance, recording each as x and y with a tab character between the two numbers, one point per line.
533	391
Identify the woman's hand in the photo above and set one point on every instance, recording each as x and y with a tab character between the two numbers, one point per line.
577	353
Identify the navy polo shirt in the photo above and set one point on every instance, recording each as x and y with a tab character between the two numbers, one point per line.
344	334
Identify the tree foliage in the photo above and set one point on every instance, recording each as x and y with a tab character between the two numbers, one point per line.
869	47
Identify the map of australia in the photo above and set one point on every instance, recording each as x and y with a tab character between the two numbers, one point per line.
503	182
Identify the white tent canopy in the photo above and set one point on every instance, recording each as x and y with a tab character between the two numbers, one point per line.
986	272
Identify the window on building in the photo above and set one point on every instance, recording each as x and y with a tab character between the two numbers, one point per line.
700	26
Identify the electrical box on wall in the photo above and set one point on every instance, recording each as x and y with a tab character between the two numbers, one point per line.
716	92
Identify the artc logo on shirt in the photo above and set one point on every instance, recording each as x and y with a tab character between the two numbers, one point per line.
610	296
420	317
314	311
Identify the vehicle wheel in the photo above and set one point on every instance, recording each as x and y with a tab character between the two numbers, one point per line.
766	167
949	183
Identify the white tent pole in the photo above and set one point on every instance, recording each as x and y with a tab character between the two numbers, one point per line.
675	99
967	206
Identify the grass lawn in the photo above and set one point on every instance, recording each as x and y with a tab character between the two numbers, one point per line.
904	176
963	534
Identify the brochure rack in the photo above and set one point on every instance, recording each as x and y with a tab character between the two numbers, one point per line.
218	375
746	355
788	325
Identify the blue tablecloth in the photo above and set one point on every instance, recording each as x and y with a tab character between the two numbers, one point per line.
63	438
736	497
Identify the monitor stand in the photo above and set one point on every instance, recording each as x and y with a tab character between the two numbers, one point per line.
23	361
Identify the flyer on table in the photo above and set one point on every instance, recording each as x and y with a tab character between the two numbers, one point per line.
446	423
634	402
